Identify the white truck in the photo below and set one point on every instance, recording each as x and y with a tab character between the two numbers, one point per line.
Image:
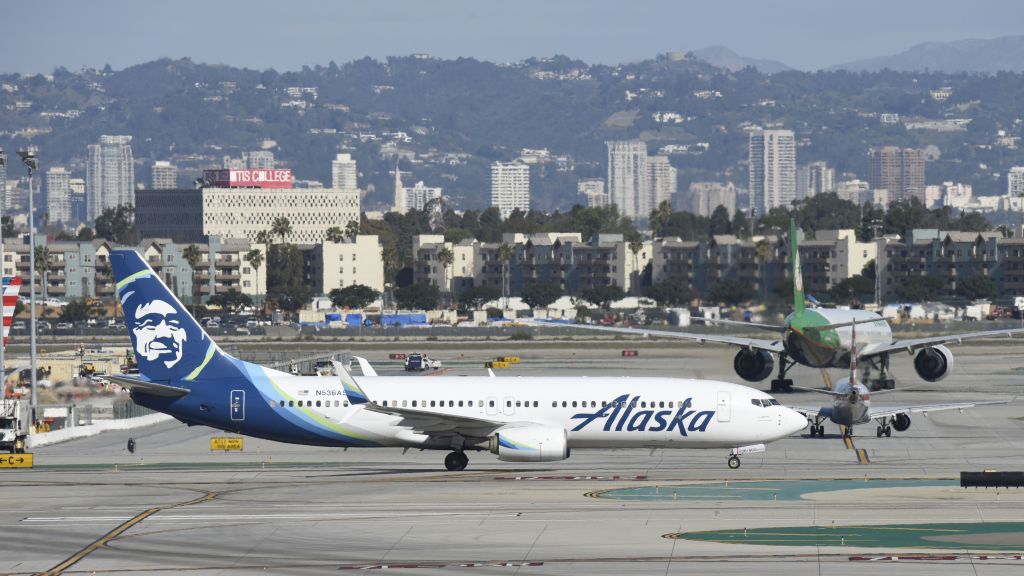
13	428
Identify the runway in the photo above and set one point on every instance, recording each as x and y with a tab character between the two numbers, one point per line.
175	507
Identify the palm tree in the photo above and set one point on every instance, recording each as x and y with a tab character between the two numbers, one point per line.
447	258
352	230
264	237
281	227
763	248
636	244
504	256
193	255
334	234
42	258
392	261
255	259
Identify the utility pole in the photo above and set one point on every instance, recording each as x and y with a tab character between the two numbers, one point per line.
876	224
28	158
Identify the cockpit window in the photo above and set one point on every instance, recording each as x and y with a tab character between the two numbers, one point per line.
755	401
774	402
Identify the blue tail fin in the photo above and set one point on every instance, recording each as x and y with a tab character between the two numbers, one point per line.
170	346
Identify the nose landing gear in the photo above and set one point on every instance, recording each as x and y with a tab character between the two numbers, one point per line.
734	461
456	461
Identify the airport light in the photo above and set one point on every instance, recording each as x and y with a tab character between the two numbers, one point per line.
28	158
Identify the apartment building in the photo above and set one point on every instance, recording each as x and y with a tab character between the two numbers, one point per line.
331	265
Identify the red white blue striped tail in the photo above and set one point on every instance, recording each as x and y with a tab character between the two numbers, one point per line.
11	288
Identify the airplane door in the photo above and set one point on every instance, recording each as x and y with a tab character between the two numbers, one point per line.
492	405
509	405
238	405
724	407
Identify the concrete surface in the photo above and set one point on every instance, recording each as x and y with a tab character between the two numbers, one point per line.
173	506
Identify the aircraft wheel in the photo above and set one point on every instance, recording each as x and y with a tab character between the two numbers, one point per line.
456	461
880	431
888	431
734	462
813	430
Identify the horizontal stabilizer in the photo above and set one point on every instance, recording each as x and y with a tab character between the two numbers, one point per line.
151	388
713	321
365	366
841	324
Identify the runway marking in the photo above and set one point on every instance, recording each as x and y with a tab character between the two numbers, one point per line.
113	534
570	478
862	456
313	517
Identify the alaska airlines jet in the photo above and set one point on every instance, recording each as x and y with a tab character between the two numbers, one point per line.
182	372
820	338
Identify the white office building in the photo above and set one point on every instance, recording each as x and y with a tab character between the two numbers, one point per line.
58	195
772	155
343	173
417	197
510	187
628	179
110	175
813	179
165	175
1015	181
245	212
661	182
592	189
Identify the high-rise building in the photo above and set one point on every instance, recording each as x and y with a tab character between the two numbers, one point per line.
343	173
593	190
1015	181
58	195
77	195
165	175
417	197
628	179
813	179
3	186
110	175
510	187
898	170
661	184
401	205
772	155
704	197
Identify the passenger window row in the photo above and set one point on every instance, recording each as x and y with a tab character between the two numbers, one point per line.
310	403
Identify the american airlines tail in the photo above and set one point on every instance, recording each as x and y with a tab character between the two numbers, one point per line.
12	285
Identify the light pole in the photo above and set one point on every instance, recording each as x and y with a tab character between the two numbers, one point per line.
3	364
28	158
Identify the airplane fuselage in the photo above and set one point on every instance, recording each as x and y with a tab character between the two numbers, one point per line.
830	347
595	412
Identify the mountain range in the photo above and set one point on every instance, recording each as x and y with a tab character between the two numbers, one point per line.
986	56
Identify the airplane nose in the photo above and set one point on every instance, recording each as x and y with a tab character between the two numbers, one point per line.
793	421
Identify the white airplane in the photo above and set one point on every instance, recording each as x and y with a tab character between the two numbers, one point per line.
182	372
821	338
852	405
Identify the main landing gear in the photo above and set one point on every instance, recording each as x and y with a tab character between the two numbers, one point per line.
734	461
884	431
783	384
883	382
456	461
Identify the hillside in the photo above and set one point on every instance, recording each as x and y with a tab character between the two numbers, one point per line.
982	56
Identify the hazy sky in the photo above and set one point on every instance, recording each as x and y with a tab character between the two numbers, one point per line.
42	34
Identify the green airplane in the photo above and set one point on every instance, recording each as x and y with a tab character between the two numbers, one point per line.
822	338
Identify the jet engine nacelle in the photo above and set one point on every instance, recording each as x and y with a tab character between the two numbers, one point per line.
530	444
901	422
753	365
933	364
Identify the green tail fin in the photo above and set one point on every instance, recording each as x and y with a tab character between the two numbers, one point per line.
798	280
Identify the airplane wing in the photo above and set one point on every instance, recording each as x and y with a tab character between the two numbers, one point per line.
749	343
909	345
151	388
421	421
824	411
712	322
890	411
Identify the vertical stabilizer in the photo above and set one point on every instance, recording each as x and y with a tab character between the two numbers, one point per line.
12	285
169	345
798	279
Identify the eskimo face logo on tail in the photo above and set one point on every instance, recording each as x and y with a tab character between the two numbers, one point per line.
168	346
159	335
621	415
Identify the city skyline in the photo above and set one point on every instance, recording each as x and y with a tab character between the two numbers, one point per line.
84	35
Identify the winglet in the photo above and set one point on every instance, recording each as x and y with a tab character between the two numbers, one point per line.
365	366
352	390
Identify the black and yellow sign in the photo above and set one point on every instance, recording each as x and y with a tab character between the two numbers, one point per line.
226	444
16	460
496	364
509	359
